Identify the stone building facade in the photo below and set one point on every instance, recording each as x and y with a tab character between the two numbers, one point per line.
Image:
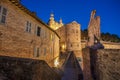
22	34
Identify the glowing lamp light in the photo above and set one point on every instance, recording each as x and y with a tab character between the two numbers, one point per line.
63	46
56	63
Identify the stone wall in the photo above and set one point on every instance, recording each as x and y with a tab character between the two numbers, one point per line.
86	64
101	64
108	64
107	45
16	41
111	45
62	33
73	36
12	68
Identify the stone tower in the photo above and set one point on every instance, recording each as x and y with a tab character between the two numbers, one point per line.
53	24
93	29
73	36
70	38
73	39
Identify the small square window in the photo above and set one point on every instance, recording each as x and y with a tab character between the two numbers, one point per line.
3	13
38	31
36	52
71	45
44	51
28	26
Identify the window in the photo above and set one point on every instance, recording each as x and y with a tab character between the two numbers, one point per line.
3	13
45	34
36	52
77	45
28	26
38	31
73	31
51	50
44	51
51	37
71	45
42	33
76	31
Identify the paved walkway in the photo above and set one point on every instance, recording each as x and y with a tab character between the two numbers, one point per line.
72	70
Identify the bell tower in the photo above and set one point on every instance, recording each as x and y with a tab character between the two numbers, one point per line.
51	21
54	24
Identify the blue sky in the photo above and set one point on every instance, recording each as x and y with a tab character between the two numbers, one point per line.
79	10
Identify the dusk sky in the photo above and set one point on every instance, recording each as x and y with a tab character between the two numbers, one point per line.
79	10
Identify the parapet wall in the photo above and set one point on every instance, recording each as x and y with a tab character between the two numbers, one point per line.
101	64
107	45
12	68
111	45
108	62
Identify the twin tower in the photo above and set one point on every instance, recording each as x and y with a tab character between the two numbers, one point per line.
70	35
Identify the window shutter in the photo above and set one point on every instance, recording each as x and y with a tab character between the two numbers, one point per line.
27	24
35	52
29	27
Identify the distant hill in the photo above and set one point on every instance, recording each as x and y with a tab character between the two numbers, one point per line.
104	36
